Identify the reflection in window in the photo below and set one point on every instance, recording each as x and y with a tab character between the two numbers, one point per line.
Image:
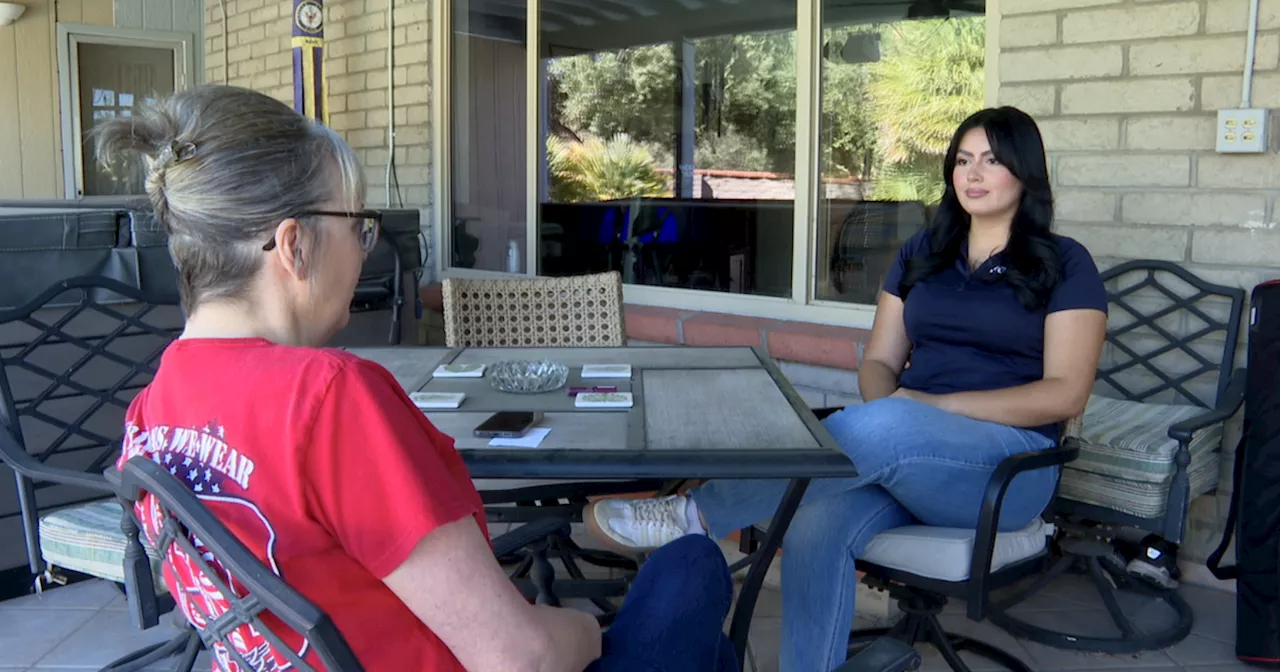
669	130
892	95
104	97
488	175
110	79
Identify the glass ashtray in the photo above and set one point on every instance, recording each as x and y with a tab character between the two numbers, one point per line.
528	376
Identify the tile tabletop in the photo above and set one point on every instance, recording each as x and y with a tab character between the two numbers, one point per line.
724	412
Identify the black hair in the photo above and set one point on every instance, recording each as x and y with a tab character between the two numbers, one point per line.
1033	266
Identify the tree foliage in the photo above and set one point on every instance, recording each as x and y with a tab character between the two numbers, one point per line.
888	121
930	79
848	129
629	91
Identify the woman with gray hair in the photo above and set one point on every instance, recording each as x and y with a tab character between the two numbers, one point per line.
316	459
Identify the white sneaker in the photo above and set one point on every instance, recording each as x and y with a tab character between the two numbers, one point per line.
638	525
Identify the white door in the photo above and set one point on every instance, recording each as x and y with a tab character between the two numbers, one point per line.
106	73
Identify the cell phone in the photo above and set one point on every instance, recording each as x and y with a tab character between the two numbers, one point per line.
507	424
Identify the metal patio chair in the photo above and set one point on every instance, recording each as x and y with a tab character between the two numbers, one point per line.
254	599
923	567
1150	444
71	360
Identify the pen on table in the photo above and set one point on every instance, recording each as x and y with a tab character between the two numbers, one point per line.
575	391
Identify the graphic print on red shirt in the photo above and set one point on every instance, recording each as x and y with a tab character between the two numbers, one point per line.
215	472
319	463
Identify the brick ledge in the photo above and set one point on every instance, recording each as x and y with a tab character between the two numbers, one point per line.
787	340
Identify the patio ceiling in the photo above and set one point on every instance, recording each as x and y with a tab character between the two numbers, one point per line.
583	26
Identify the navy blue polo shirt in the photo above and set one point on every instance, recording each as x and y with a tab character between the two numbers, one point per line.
968	331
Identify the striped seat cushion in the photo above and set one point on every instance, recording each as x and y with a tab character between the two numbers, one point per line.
1130	441
1144	500
87	538
1126	456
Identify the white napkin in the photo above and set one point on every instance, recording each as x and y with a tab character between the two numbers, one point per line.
530	440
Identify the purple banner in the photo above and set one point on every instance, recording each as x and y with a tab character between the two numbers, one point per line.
308	59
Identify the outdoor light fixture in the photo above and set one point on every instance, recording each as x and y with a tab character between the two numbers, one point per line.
857	48
9	12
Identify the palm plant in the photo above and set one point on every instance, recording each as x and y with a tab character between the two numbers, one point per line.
595	170
930	79
906	182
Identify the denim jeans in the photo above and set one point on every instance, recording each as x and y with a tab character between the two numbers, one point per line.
917	464
673	617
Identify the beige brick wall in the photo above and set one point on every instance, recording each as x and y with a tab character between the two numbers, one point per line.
255	43
1127	93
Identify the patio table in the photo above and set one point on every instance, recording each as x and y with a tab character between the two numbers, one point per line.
698	413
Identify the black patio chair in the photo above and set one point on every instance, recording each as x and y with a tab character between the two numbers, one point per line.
188	532
1151	442
183	523
868	239
380	288
71	360
923	567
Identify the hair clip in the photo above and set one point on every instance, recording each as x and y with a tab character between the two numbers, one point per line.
175	152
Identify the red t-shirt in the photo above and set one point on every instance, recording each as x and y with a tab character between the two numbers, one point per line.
318	462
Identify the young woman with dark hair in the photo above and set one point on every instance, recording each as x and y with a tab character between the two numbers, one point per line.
1003	323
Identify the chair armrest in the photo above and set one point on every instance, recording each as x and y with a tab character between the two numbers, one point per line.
1231	401
20	461
529	533
885	654
984	542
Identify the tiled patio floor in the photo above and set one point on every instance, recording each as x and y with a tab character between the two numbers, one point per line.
86	625
83	626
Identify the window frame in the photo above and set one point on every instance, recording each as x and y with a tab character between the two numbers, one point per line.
802	305
69	37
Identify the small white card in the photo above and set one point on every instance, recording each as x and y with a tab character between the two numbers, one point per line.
437	399
459	371
606	371
530	440
604	400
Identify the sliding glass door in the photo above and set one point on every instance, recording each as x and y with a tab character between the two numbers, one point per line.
669	132
759	156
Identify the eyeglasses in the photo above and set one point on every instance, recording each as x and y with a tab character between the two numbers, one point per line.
366	231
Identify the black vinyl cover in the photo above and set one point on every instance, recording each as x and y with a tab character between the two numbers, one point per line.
41	247
1254	516
43	242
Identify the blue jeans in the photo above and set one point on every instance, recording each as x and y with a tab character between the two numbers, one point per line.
917	464
673	617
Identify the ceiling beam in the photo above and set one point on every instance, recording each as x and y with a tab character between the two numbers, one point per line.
745	18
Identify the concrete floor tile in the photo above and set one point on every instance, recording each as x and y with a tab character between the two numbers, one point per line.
107	635
29	634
